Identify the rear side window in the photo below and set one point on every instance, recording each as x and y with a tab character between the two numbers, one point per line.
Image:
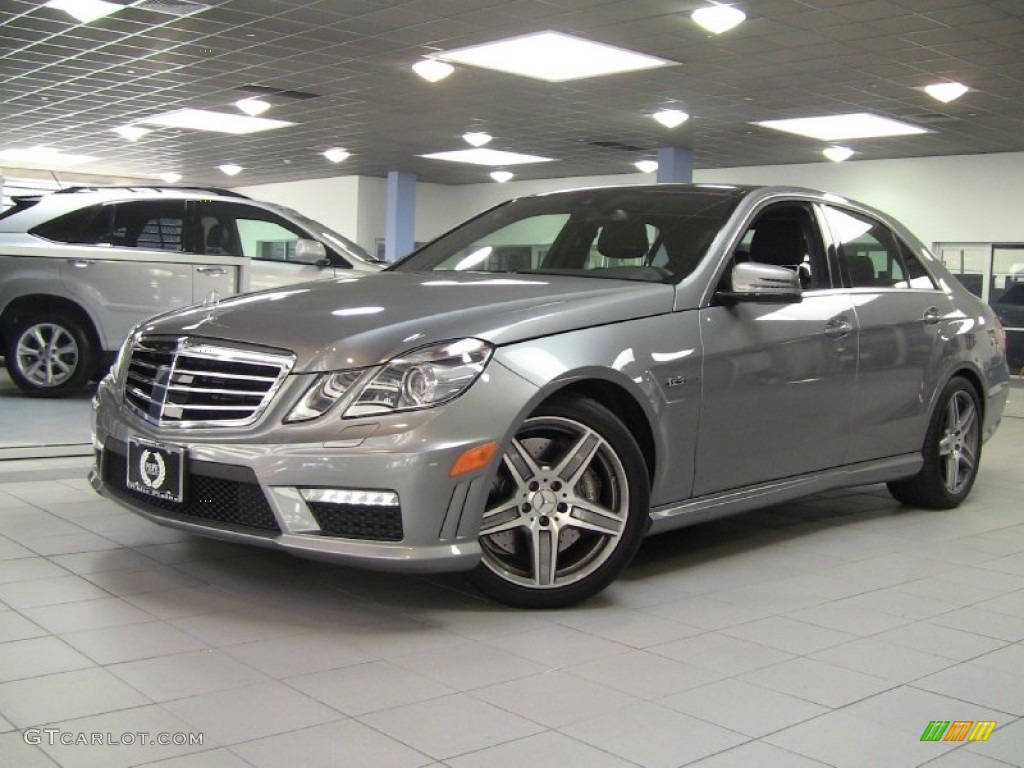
151	224
871	256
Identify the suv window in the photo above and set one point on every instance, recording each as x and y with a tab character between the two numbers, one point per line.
150	224
245	230
871	256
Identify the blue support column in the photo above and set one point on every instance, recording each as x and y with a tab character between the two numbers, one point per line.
675	164
400	227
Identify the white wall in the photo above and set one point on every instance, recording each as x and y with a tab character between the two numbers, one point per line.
336	202
966	198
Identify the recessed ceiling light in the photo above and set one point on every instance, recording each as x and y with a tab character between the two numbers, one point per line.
860	125
432	70
502	176
85	10
336	154
221	122
553	56
253	107
646	166
44	157
838	154
131	132
487	157
477	138
671	118
230	169
718	18
946	92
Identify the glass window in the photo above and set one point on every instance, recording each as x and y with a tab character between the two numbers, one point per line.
871	256
242	230
642	234
786	235
87	226
152	224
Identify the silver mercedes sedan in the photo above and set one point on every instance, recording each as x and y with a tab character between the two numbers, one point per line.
528	396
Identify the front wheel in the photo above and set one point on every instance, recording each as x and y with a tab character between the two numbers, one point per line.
50	354
567	510
952	451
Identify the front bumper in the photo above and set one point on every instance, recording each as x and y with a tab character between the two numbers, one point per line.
247	485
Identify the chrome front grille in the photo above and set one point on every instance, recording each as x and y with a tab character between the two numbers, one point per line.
190	383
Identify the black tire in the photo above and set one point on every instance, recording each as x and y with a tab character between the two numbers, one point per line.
952	451
50	354
573	486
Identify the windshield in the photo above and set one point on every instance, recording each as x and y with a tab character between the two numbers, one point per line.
336	241
652	234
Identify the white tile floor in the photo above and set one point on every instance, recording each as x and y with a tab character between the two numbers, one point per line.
828	632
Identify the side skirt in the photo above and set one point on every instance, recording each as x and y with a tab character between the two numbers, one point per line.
692	511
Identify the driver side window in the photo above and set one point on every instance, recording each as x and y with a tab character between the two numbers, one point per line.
786	235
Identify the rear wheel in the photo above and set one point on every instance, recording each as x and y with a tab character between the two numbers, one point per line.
50	354
952	451
567	510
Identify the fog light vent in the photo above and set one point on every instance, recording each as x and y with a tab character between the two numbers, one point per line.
355	514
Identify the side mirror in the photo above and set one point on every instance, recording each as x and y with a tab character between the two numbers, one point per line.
763	283
310	252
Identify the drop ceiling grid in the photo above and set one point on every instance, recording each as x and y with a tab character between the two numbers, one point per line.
68	85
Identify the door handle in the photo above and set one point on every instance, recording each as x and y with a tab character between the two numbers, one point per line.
79	263
838	327
215	271
931	316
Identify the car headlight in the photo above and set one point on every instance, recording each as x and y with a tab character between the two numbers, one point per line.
423	378
325	391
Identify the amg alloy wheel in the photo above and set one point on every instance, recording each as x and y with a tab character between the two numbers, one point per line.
567	509
952	451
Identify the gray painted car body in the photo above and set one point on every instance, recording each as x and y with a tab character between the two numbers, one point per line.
738	405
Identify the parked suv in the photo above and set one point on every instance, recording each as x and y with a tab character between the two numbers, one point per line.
80	267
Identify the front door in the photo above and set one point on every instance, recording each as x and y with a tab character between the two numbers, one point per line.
777	378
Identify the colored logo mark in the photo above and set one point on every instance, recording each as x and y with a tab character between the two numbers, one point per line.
958	730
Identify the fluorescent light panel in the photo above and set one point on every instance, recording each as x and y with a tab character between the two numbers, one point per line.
253	106
476	138
859	125
230	169
432	70
837	154
171	177
43	157
553	56
646	166
671	118
946	92
491	157
718	18
85	10
336	154
502	176
219	122
131	132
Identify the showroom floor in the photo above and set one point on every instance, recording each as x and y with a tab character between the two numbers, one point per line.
828	632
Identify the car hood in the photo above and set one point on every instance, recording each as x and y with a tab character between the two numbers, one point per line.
351	323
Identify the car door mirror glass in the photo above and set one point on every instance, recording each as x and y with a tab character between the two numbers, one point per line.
310	252
755	282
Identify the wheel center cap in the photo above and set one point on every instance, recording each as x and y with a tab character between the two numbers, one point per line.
544	501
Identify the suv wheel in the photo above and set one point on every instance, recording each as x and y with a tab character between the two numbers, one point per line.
50	354
567	510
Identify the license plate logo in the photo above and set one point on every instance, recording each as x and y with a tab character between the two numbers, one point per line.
155	470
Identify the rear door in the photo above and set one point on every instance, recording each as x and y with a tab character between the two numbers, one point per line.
776	378
901	315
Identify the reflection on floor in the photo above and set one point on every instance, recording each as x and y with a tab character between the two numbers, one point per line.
36	426
826	632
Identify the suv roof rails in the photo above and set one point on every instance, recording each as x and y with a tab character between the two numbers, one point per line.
157	187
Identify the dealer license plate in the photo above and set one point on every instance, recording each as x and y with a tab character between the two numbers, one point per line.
156	470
